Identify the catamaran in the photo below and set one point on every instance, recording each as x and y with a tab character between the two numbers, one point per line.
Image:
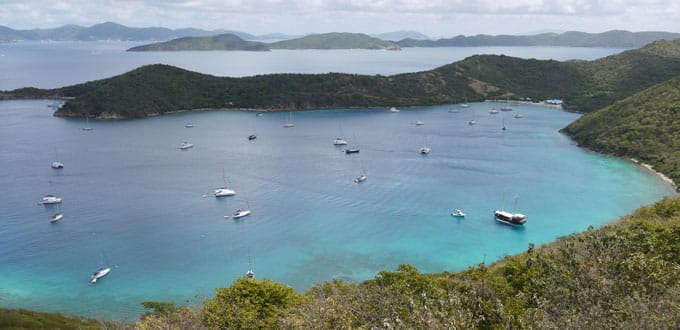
509	218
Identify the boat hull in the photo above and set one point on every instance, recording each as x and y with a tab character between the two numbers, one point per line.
515	219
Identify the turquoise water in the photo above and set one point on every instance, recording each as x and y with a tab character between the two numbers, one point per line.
134	202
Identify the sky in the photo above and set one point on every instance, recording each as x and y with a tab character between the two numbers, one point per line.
435	18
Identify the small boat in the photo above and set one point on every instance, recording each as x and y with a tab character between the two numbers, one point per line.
57	165
185	145
507	106
464	105
223	191
518	115
252	137
352	150
360	178
458	214
393	109
425	150
50	199
87	124
189	125
472	122
454	111
250	273
289	121
55	218
339	141
419	122
493	111
101	272
259	114
240	213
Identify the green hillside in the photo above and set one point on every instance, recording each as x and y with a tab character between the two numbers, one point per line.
24	319
335	40
644	126
219	42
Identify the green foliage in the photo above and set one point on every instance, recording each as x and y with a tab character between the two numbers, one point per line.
645	126
334	40
249	304
24	319
220	42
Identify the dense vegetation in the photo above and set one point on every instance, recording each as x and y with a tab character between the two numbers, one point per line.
645	126
220	42
24	319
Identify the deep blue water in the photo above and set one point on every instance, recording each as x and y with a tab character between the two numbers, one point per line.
134	202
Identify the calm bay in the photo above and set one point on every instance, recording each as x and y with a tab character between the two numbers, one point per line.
136	203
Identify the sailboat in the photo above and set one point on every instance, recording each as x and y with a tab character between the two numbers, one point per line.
223	191
57	164
353	149
250	273
465	104
242	212
289	121
503	123
340	141
425	149
101	272
50	199
362	177
87	124
514	219
507	106
472	121
57	216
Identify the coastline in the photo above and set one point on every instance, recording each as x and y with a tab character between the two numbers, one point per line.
663	177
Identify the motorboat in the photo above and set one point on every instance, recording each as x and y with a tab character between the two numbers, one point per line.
393	109
510	218
424	150
57	165
101	272
339	141
472	122
518	115
352	150
493	111
419	122
454	111
56	217
360	178
252	137
240	213
50	199
259	114
189	125
185	145
458	214
223	191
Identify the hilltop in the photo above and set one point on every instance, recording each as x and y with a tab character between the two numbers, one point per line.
220	42
644	126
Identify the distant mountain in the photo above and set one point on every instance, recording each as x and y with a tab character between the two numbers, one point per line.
400	35
275	36
219	42
108	31
335	40
617	39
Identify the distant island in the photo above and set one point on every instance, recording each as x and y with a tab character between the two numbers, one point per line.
114	31
584	86
233	42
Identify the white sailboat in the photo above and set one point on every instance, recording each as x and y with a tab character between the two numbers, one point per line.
87	124
185	145
223	191
472	121
464	104
101	272
57	216
393	109
57	164
50	199
340	141
242	212
250	273
289	121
